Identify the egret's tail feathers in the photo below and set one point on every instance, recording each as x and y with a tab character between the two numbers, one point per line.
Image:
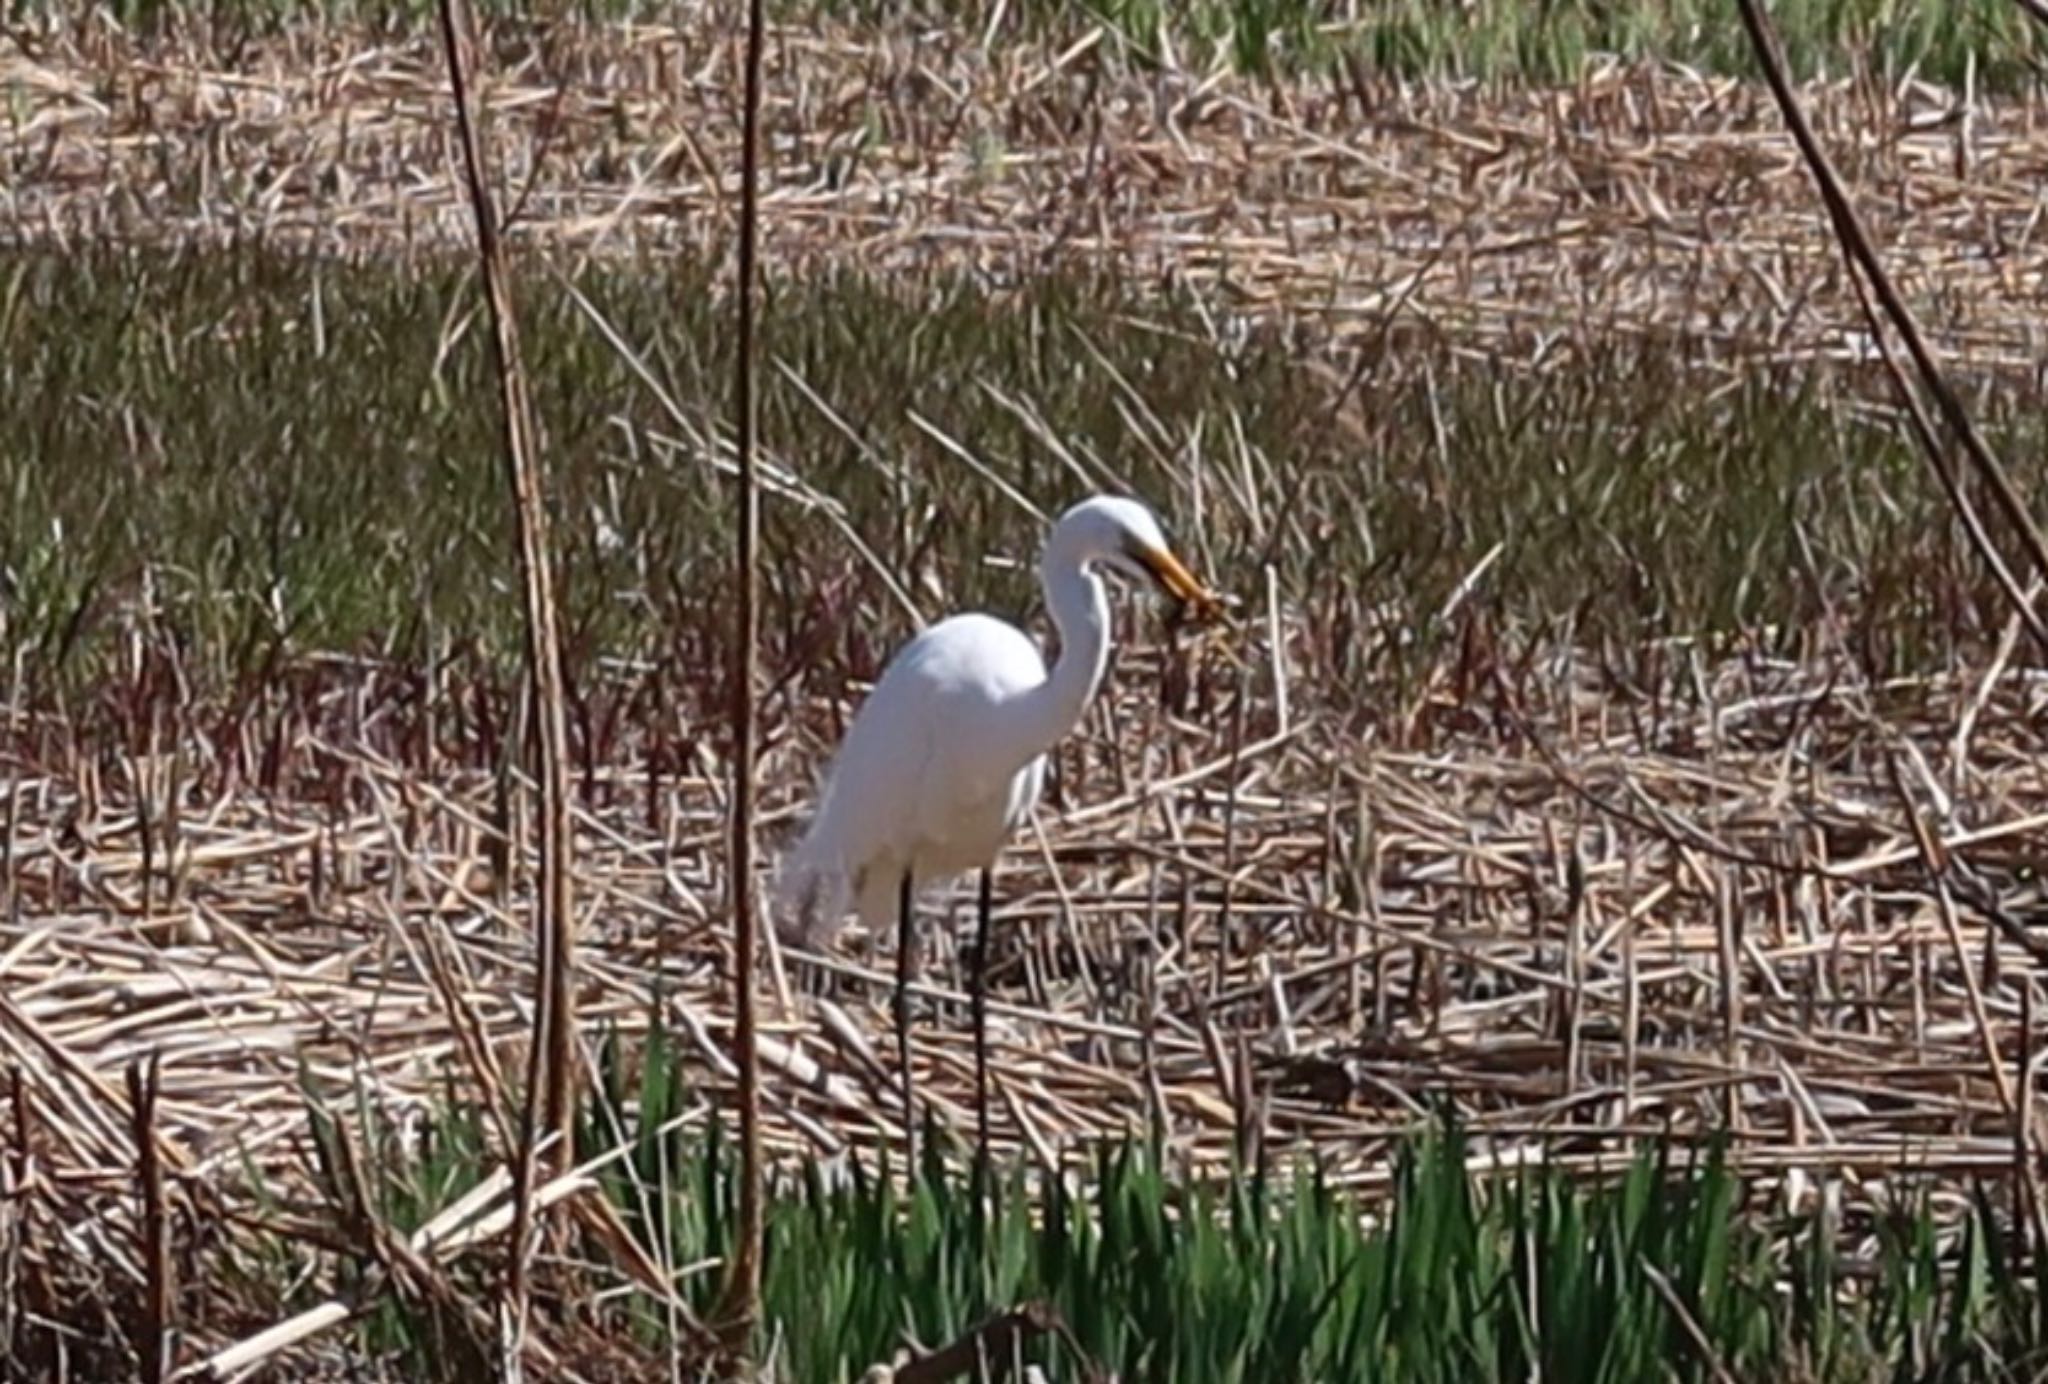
810	899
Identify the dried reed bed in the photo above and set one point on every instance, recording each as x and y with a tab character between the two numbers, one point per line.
1654	202
1583	908
1583	913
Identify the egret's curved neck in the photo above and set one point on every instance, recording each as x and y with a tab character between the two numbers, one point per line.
1080	611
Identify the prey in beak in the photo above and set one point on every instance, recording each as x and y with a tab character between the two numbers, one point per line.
1178	582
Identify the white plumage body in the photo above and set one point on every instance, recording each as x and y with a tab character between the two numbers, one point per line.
920	785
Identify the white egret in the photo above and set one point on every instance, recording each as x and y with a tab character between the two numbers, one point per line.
946	757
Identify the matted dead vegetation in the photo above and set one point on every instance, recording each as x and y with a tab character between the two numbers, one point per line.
1374	918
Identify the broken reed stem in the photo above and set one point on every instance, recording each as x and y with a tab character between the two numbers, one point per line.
9	882
1575	972
2025	1203
1687	1322
741	1298
155	1347
1631	1016
1727	909
140	783
551	1073
1934	859
1226	951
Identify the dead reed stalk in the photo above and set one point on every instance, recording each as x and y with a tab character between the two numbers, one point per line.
144	1084
742	1295
1862	258
550	1094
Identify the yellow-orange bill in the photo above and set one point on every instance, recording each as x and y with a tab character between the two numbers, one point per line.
1182	583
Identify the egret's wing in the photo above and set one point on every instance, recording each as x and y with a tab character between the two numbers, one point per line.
922	748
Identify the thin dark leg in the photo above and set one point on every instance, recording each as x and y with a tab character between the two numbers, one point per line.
979	996
904	942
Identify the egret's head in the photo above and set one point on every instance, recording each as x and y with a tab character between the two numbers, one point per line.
1123	536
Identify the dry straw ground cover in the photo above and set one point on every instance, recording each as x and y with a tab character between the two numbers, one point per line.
1647	201
1193	942
1586	895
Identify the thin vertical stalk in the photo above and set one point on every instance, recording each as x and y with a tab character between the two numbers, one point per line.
743	1286
1728	940
551	1072
1226	945
1575	967
2025	1208
144	1082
